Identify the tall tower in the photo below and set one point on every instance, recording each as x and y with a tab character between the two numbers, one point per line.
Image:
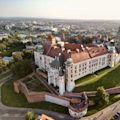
70	85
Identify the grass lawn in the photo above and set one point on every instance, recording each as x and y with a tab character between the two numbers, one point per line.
95	108
108	77
2	75
10	98
33	84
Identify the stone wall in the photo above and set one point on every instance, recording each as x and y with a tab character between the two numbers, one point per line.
57	100
39	96
115	90
31	96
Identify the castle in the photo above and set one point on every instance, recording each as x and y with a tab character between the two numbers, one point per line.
66	62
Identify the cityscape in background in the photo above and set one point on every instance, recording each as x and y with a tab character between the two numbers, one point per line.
59	60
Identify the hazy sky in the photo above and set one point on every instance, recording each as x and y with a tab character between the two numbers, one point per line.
68	9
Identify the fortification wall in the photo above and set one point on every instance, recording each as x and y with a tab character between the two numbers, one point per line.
115	90
40	96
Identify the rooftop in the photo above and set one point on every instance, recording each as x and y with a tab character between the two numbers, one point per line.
77	52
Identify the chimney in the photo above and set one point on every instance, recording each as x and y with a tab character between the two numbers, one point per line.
68	51
77	50
82	48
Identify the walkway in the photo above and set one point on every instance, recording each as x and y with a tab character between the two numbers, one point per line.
45	83
14	113
106	113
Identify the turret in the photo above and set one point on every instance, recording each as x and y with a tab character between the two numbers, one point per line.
39	48
70	81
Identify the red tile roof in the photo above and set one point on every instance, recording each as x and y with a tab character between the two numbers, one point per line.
72	46
87	52
96	51
78	57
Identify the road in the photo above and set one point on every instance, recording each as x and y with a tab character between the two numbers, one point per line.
106	113
12	113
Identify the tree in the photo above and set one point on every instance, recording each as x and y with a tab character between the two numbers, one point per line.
2	46
30	116
22	68
28	54
18	56
102	97
2	63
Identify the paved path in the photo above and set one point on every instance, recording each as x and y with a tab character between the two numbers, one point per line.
106	113
13	113
45	83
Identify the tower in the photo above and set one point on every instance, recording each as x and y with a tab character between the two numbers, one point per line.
70	82
39	57
56	74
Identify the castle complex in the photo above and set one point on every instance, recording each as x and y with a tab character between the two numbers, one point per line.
66	62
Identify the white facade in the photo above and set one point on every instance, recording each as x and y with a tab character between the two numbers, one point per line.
73	71
78	114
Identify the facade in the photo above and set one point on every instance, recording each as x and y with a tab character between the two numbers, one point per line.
66	62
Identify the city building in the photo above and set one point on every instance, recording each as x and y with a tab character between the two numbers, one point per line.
64	62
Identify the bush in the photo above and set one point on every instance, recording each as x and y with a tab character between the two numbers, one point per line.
30	116
102	97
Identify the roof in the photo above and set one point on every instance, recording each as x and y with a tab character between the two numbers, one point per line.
81	56
95	51
77	52
50	37
73	46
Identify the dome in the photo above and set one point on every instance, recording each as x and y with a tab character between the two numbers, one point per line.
69	61
39	48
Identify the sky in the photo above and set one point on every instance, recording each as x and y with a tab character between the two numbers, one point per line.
63	9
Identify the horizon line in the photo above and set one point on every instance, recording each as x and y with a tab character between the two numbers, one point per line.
91	19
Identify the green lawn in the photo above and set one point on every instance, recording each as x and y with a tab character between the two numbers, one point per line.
10	98
2	75
109	77
95	108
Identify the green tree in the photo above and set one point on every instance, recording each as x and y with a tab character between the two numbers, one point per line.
2	63
102	97
28	54
18	56
22	68
30	116
2	46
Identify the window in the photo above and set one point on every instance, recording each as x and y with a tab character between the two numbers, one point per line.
75	67
40	58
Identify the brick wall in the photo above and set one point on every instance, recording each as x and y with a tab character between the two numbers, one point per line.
115	90
39	96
